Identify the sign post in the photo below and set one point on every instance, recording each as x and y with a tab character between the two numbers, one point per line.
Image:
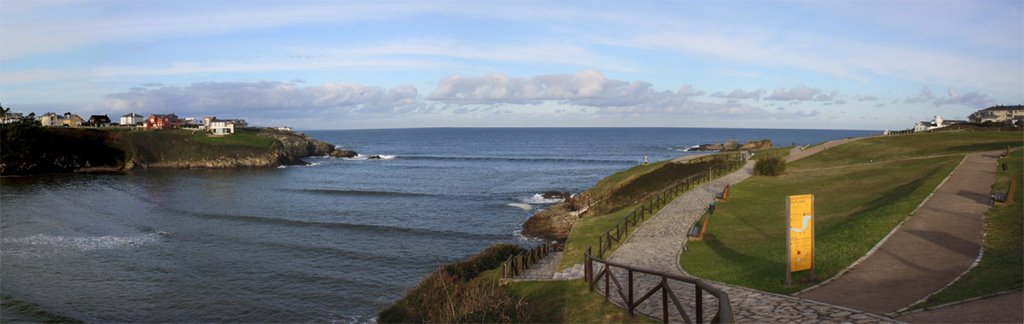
799	235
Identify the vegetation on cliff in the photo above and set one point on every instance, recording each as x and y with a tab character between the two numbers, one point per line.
29	149
470	291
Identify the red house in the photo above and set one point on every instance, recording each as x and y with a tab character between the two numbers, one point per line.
167	121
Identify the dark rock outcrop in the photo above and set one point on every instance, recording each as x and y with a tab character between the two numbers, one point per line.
732	145
553	223
340	153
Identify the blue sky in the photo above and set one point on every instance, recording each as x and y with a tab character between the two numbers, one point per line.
395	64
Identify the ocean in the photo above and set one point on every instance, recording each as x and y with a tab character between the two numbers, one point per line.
337	240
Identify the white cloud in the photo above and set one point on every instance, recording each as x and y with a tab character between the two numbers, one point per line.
971	99
826	97
740	94
798	93
265	98
588	88
867	98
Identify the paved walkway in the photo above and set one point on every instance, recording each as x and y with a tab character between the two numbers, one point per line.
930	250
796	153
656	246
1006	308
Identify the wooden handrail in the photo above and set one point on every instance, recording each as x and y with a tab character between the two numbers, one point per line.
518	264
724	314
660	199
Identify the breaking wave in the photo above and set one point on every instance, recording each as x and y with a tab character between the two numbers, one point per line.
523	206
538	199
55	243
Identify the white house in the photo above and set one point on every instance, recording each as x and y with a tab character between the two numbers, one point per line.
221	127
936	123
132	119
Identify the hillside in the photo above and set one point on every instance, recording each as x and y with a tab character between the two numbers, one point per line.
29	149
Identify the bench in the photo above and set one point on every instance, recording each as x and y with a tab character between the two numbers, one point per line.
701	225
724	194
1004	197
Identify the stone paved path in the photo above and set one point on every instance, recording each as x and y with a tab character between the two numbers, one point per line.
656	246
926	253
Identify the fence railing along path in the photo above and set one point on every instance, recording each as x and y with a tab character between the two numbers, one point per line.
518	264
672	297
621	230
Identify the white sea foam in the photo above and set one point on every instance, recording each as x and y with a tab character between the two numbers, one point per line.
526	207
538	199
282	166
523	238
44	243
360	157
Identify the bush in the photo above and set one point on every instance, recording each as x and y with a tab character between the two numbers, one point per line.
457	294
490	258
770	166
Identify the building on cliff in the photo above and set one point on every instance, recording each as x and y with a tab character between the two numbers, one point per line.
999	114
936	123
72	120
222	126
132	119
98	121
157	121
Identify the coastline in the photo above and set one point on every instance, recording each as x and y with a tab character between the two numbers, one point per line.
37	150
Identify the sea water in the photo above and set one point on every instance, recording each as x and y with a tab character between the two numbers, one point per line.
333	241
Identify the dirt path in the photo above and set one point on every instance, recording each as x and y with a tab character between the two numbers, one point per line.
796	153
933	247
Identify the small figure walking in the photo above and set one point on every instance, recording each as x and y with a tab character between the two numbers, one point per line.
645	159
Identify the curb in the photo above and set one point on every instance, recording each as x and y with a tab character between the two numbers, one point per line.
958	302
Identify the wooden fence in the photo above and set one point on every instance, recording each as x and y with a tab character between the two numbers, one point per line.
517	264
619	233
596	269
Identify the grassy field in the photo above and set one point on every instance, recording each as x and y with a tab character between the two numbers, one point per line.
586	233
186	145
630	189
889	148
569	301
775	151
862	190
1001	266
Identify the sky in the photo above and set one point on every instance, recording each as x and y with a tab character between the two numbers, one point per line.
398	64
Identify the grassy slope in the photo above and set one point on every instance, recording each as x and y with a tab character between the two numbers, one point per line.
634	184
775	151
569	301
856	205
185	145
1001	265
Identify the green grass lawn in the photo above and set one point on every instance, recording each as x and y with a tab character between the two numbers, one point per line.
188	145
889	148
569	301
586	233
775	151
862	190
855	208
1001	266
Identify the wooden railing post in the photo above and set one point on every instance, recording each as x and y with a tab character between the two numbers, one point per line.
630	303
699	304
664	299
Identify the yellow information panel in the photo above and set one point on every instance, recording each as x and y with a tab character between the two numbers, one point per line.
801	232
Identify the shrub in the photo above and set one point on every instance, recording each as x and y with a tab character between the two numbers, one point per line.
456	294
770	166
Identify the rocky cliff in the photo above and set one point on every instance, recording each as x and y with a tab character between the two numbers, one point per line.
34	150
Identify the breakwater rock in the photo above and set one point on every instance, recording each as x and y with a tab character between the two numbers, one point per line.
732	145
29	149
